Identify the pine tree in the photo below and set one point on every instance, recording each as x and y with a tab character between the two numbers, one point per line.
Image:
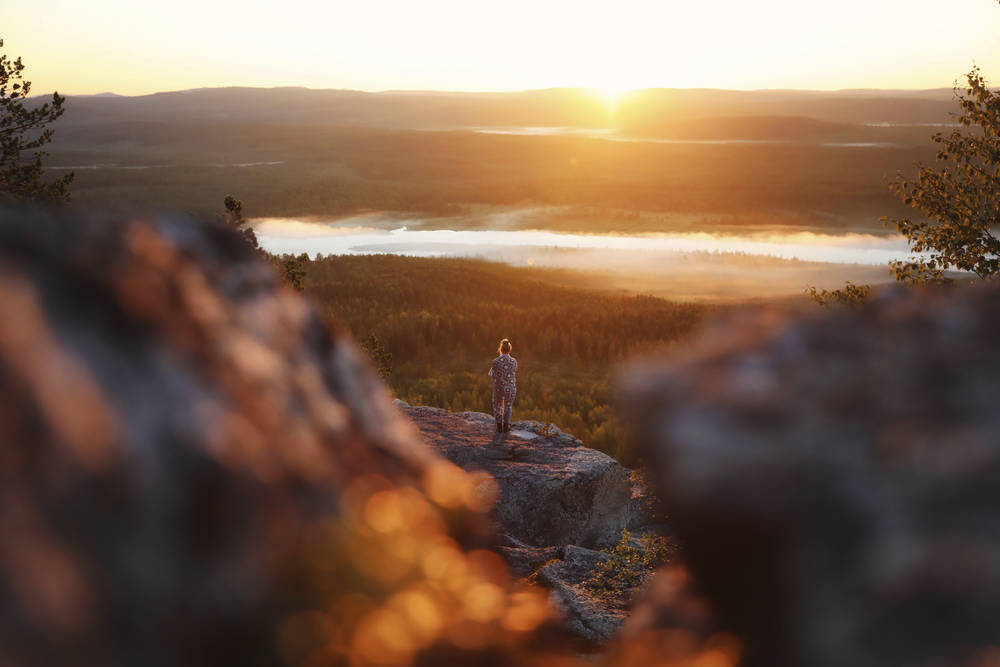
380	357
23	132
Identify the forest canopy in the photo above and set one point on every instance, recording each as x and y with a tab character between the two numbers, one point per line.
440	320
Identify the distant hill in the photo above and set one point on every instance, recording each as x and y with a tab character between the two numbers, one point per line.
653	111
818	160
403	110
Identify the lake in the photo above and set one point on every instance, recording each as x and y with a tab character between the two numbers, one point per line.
282	235
612	134
684	266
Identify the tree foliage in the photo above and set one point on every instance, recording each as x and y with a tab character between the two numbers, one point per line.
455	310
960	197
849	295
23	132
291	268
630	564
440	320
234	218
381	359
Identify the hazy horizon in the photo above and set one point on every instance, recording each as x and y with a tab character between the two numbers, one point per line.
415	91
444	45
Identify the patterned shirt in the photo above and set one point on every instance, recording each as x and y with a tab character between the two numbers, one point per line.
502	372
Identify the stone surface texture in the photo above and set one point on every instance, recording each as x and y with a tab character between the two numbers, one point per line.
592	617
553	490
558	501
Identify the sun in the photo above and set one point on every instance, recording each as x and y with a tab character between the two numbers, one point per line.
611	95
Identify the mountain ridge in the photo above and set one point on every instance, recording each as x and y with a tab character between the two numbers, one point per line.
572	107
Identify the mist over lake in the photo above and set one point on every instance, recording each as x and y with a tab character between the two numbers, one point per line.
690	265
280	235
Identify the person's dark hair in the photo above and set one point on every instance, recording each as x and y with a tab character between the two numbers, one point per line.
505	347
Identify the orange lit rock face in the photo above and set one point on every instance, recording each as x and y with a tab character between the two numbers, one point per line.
197	471
551	489
833	480
551	494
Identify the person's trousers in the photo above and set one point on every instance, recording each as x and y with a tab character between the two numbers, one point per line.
503	405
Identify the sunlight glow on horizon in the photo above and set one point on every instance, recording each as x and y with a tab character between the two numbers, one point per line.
137	48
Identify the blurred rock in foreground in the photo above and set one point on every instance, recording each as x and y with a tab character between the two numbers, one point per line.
835	480
195	471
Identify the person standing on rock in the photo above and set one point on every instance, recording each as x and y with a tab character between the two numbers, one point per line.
504	386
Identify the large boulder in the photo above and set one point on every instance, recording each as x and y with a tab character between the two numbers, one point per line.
197	470
553	490
833	479
556	499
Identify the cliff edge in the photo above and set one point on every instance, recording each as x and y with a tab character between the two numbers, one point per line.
558	503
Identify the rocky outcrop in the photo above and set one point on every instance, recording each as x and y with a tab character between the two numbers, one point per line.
553	490
593	617
197	471
524	560
833	479
556	497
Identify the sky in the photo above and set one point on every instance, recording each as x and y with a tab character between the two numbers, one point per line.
136	47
